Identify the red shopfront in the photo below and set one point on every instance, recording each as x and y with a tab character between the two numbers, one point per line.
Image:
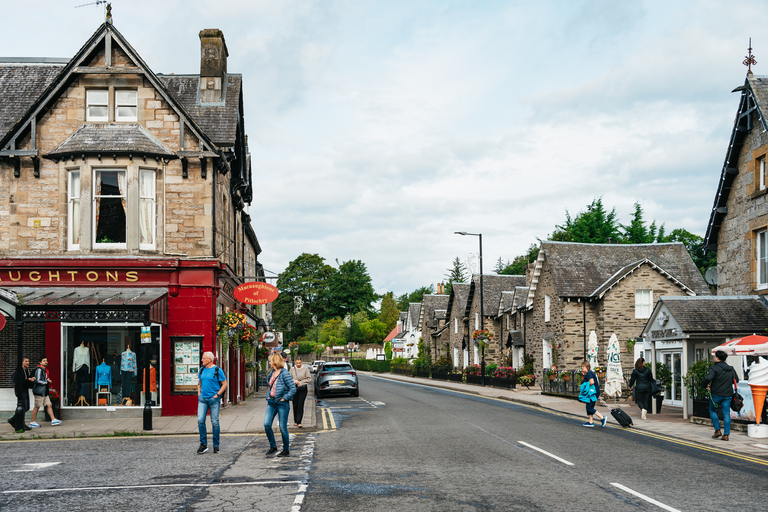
94	310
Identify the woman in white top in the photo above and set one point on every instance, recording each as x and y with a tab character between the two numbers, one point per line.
301	378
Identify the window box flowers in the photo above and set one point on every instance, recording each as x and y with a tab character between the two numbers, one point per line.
527	380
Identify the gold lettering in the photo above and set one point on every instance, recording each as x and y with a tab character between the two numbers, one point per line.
132	276
92	276
53	275
18	275
111	276
34	276
72	273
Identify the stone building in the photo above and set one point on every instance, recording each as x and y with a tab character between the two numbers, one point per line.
458	337
612	289
433	321
512	321
126	191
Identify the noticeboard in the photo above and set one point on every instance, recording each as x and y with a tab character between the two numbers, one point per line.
186	352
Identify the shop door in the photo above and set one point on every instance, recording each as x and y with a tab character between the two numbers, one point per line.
673	361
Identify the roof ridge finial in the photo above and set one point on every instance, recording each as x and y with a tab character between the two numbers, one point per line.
109	13
749	60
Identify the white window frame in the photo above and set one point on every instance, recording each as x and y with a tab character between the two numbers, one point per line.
643	303
761	170
455	325
94	224
762	259
73	210
477	321
151	198
547	307
91	100
126	105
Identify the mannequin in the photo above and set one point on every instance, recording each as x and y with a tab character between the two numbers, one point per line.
127	367
152	382
103	375
81	366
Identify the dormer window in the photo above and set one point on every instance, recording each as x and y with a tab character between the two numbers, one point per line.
97	105
126	106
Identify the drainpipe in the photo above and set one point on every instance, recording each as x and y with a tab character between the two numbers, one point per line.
584	322
214	176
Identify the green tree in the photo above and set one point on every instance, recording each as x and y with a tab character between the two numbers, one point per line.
593	226
636	232
415	296
389	312
350	290
695	246
355	333
374	331
500	265
307	277
456	274
520	264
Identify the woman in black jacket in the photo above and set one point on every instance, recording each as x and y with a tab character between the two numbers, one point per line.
641	379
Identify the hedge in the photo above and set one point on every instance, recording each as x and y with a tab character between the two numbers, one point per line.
370	365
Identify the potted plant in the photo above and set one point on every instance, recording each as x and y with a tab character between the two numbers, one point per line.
551	372
565	375
527	380
693	381
599	371
504	376
481	337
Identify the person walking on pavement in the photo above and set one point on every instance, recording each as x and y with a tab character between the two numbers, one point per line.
211	384
280	390
720	380
301	378
40	390
641	380
22	382
589	376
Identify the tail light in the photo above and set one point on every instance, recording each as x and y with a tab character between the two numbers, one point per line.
323	374
352	372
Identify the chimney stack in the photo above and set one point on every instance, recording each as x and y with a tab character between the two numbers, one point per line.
213	65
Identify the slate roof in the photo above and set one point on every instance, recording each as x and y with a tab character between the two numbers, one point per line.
429	303
733	315
111	138
581	270
754	95
458	298
21	84
414	310
493	285
514	339
219	122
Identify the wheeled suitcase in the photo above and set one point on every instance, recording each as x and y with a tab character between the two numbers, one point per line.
621	417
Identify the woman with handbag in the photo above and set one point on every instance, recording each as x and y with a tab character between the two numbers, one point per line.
280	390
301	378
641	379
589	393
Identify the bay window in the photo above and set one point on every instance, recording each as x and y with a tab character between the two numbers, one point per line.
73	210
109	207
147	203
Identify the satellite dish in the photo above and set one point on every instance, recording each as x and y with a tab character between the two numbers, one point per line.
710	276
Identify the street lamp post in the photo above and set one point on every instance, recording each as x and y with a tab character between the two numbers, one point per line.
482	351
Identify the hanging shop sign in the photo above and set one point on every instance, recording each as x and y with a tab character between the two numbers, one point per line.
146	335
256	293
2	322
268	337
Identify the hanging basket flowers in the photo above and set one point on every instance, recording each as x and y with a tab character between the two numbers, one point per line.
229	328
481	337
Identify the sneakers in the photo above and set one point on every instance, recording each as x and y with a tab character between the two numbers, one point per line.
34	424
714	436
203	448
605	420
725	437
215	449
55	422
271	450
590	425
284	453
643	413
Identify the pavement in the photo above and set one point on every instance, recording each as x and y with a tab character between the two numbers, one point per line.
669	424
246	417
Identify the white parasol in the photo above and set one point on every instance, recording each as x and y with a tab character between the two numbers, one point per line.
613	376
592	350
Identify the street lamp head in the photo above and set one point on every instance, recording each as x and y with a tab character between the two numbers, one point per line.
463	233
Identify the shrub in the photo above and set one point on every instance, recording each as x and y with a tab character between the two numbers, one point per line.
692	380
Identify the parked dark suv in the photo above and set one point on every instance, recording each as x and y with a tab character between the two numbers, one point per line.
336	378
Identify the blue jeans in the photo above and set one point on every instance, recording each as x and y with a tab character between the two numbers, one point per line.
279	409
725	403
203	405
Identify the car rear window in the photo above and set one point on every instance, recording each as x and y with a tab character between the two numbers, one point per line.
336	367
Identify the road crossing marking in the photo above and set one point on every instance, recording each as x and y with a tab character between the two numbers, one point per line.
567	463
156	486
34	467
644	497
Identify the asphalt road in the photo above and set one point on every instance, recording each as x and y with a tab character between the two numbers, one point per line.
398	447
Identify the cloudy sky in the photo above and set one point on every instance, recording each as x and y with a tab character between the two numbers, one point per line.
378	128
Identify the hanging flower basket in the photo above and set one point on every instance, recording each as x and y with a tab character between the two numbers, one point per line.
481	337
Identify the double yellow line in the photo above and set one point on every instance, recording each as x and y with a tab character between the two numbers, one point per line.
328	423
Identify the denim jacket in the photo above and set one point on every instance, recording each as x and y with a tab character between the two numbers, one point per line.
284	386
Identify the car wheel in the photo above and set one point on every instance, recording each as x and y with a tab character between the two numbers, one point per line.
355	392
318	394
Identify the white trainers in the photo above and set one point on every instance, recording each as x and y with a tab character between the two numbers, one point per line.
55	422
34	424
643	413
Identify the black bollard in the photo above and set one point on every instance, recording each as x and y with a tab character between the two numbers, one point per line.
147	392
18	417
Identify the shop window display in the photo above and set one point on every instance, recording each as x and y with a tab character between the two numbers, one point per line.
104	365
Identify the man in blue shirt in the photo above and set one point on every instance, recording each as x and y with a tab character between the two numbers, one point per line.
211	384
